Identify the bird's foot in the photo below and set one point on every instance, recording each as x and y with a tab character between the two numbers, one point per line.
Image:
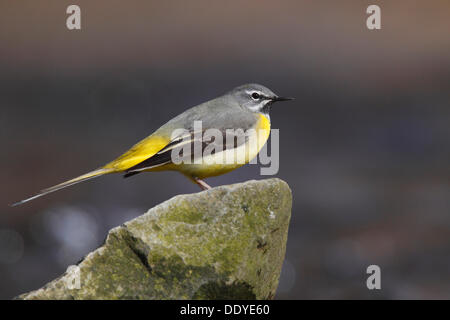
202	184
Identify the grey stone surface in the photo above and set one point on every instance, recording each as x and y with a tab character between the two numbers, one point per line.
225	243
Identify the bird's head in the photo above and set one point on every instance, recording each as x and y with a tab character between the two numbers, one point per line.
256	97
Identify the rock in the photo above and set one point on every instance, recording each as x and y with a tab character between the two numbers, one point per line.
225	243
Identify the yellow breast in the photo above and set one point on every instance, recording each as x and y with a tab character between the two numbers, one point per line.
214	165
264	129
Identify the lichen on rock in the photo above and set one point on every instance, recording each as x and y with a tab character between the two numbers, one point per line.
225	243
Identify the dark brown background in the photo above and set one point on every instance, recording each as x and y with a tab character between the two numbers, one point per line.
364	147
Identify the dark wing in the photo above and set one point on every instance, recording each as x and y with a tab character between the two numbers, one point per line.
160	158
229	139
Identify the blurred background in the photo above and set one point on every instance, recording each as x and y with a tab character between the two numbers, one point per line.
365	146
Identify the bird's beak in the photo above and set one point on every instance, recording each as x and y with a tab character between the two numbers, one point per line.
275	99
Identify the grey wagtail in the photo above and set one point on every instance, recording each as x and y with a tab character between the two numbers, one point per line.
245	107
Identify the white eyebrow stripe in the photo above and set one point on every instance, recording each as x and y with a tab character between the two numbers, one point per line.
253	91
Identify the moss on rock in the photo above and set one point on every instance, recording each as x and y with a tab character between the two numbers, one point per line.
225	243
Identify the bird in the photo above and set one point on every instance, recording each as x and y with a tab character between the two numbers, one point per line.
245	107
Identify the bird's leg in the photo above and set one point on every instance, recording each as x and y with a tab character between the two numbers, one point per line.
202	184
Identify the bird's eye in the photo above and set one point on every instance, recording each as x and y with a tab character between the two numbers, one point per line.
255	95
